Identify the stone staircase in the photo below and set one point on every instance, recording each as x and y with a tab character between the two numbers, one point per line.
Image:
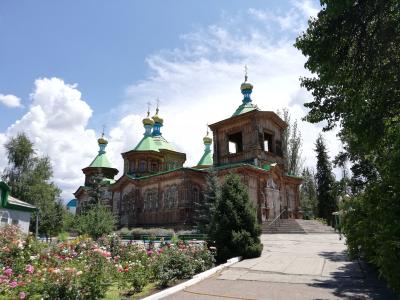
296	226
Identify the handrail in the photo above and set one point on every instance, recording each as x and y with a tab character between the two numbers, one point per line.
276	218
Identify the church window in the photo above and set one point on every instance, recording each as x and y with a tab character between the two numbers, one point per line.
154	167
174	196
142	166
268	138
235	143
195	195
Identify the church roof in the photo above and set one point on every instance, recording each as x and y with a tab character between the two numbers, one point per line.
244	108
154	143
100	161
206	159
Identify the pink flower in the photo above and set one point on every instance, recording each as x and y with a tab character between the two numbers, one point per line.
8	272
22	296
149	252
29	269
13	284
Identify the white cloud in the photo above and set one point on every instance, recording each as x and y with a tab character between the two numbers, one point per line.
199	83
56	123
10	100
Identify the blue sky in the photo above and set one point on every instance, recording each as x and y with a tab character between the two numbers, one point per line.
101	45
68	67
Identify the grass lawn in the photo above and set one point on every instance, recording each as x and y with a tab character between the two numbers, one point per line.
113	293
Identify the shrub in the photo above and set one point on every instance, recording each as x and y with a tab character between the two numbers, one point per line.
171	265
235	228
96	222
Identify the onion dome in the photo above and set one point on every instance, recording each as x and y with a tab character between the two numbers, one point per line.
102	141
157	119
158	123
102	144
207	159
148	124
207	140
246	86
148	120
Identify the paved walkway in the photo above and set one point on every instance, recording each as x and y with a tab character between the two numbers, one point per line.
292	266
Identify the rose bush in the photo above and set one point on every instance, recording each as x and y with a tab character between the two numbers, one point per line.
84	269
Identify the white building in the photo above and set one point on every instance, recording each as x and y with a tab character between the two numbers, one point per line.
14	211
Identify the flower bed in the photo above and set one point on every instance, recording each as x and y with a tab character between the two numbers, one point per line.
85	269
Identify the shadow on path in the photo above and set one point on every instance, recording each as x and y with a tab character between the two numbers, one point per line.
353	279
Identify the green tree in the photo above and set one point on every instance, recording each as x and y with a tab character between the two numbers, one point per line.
353	51
204	208
308	194
29	178
291	144
235	228
96	221
325	182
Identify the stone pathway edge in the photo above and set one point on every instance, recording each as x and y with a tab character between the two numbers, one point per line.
196	279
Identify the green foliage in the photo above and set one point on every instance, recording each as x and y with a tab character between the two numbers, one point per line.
172	265
353	48
308	195
235	228
204	207
291	144
69	222
96	221
325	182
83	269
29	178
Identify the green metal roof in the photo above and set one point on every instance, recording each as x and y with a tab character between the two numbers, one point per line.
153	143
244	108
101	161
147	144
9	202
206	159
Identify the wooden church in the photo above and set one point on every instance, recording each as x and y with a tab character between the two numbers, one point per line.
156	189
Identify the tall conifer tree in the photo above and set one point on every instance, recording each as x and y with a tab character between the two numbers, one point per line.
235	228
325	182
204	206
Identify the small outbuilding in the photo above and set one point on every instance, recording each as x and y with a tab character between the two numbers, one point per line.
14	211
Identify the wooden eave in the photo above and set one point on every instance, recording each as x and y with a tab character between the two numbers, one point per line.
251	114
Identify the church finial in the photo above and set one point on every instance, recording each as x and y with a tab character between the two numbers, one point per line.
102	142
158	103
148	122
246	88
207	140
148	109
158	122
